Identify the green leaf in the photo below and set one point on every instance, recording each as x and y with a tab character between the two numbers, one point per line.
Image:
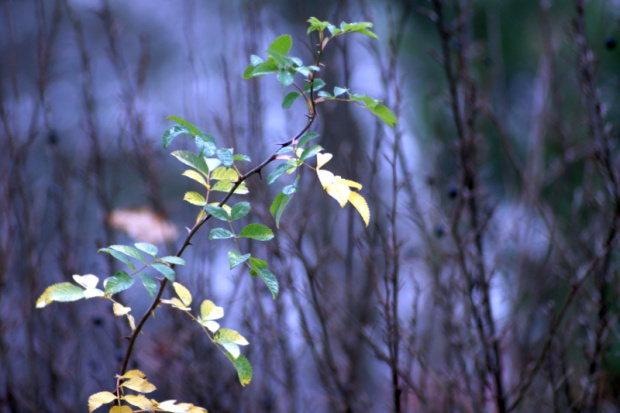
192	128
257	232
291	189
146	247
239	210
324	94
278	205
195	198
220	233
164	270
149	283
289	99
212	163
285	77
205	144
235	258
282	44
119	256
339	91
226	174
243	367
310	152
226	186
316	24
127	250
256	263
193	160
318	85
307	138
226	156
217	212
174	131
280	169
173	259
270	280
262	69
62	292
117	283
241	157
385	114
230	340
255	60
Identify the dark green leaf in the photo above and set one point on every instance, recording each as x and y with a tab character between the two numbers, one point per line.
270	280
280	169
220	233
172	132
205	144
146	247
226	156
307	138
318	85
310	152
277	207
239	210
119	282
258	232
289	99
149	283
218	212
235	258
243	367
191	159
255	264
173	259
270	66
164	270
192	128
119	256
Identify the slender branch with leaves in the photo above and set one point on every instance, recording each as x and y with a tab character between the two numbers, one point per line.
217	171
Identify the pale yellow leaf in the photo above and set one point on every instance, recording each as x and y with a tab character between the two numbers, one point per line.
137	381
139	401
210	311
340	192
183	293
326	177
99	399
87	281
176	303
322	159
132	322
93	292
225	174
135	373
212	326
194	198
190	173
120	310
360	204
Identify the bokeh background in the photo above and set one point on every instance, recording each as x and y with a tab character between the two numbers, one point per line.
486	281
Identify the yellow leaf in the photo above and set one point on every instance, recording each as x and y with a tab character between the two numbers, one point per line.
132	322
183	293
120	309
322	159
121	409
190	173
99	399
194	198
340	192
351	184
134	374
360	204
225	174
139	401
137	381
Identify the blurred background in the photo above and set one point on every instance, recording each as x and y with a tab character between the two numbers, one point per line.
487	279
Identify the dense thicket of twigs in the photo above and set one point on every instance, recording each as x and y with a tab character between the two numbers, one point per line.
487	280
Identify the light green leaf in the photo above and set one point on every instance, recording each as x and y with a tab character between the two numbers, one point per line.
282	44
173	259
62	292
318	85
385	114
230	340
164	270
146	247
235	258
278	205
339	91
257	232
241	157
285	77
195	198
280	169
192	128
117	283
192	174
226	186
183	293
289	99
149	283
119	256
270	66
243	367
212	163
220	233
292	189
239	210
224	174
324	94
217	212
226	156
193	160
205	144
